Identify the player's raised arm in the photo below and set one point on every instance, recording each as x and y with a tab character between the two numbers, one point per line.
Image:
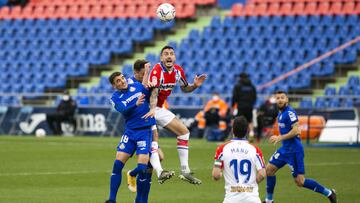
198	81
145	81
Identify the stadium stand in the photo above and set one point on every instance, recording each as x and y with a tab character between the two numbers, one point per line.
262	46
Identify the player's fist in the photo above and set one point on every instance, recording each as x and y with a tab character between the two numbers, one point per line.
198	80
147	67
275	139
140	100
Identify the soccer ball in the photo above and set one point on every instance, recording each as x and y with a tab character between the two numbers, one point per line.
40	132
166	12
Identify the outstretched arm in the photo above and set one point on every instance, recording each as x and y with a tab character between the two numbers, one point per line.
198	81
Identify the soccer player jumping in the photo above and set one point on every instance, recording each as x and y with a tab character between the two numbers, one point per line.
291	153
164	77
132	100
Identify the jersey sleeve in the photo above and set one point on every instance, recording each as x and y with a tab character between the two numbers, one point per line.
219	162
292	117
183	81
259	159
121	106
155	75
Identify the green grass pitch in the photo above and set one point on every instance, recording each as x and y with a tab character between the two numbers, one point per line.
60	169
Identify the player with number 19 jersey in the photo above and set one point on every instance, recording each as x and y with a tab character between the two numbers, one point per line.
240	162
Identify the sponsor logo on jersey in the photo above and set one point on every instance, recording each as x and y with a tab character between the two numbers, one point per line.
292	116
128	100
141	144
241	189
168	86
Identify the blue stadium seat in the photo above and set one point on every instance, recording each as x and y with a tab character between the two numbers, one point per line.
330	91
306	103
320	103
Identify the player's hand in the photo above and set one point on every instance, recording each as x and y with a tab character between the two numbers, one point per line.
150	114
147	67
275	139
198	80
151	84
140	100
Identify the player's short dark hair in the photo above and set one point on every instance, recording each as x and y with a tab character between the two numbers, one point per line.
240	126
166	47
139	64
281	92
113	76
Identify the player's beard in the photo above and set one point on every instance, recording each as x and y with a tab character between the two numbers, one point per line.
283	106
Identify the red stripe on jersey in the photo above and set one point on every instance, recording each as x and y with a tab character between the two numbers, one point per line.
219	152
166	80
259	153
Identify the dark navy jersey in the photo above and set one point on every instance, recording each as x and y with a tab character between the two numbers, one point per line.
124	101
286	118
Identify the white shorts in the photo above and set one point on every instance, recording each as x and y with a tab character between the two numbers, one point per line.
163	116
242	198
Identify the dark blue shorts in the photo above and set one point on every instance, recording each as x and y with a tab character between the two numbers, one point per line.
295	161
138	140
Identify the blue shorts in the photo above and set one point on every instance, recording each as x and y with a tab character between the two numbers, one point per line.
295	160
138	140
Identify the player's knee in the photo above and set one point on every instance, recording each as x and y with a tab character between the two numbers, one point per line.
270	171
299	182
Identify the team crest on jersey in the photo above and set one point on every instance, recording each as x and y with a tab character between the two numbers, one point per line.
154	80
155	71
122	146
132	89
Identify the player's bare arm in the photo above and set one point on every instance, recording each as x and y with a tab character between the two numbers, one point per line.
216	172
198	81
153	102
261	175
145	81
293	133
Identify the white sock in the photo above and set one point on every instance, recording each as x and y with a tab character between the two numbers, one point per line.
155	159
183	150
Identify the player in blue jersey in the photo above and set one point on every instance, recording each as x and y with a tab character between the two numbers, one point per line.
132	100
156	153
291	152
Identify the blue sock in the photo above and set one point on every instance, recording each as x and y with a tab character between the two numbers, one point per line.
315	186
143	187
115	179
140	167
270	185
